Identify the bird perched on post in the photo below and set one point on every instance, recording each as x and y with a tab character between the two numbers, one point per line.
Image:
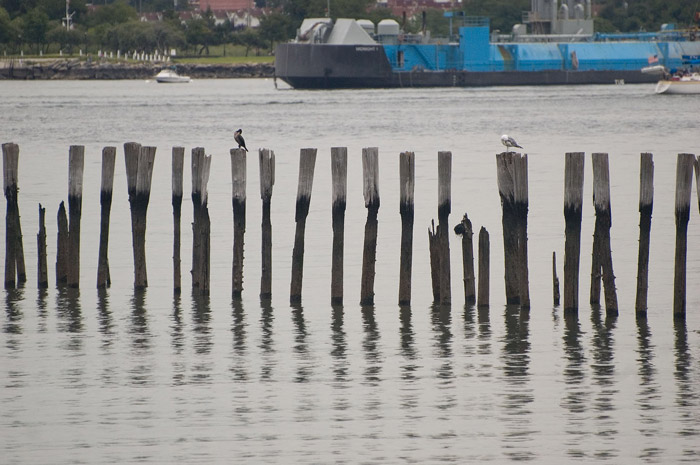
239	139
509	142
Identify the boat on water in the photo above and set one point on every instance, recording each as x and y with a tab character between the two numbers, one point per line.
554	45
688	84
170	75
685	80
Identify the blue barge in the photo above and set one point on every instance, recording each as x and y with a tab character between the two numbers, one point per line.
352	54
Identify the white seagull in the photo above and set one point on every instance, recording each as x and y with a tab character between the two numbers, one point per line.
509	142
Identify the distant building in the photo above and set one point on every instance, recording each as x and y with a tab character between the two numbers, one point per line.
225	5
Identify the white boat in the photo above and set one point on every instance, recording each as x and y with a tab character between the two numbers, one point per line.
169	75
688	84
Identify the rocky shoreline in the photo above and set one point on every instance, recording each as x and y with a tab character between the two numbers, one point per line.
82	70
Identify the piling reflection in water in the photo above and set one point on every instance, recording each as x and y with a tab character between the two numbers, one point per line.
339	346
267	345
518	395
603	377
177	342
142	371
13	312
239	369
686	396
648	391
202	344
301	349
576	396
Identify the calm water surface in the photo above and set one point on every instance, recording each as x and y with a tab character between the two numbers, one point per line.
122	376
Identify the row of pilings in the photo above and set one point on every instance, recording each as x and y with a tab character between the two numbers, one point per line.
512	177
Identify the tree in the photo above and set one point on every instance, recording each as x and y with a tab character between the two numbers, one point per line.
35	25
198	32
115	13
276	27
66	39
249	38
8	30
504	14
349	8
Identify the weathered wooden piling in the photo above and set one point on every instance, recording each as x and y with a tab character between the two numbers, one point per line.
267	181
697	178
238	199
464	229
521	205
444	209
484	268
506	189
555	281
307	163
62	246
178	164
15	272
139	172
76	164
602	265
339	175
109	155
407	176
646	203
684	182
42	280
370	182
434	249
573	209
201	224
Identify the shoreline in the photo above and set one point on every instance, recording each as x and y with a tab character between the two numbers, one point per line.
74	69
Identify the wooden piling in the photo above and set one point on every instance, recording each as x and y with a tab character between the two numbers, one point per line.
684	182
602	265
178	164
76	164
370	182
506	190
646	203
444	209
407	175
573	208
307	163
521	205
15	272
484	268
42	280
434	249
201	224
697	178
464	229
238	199
139	209
108	158
339	175
267	181
555	281
62	247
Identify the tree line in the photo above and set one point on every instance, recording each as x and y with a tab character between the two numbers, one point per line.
39	25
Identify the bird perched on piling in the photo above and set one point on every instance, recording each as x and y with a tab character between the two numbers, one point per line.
509	142
239	139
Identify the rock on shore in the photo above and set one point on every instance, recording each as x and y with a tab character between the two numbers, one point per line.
75	69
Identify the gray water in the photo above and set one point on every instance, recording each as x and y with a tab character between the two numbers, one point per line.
122	376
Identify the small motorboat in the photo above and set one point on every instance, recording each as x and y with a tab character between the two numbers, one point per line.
686	84
169	75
